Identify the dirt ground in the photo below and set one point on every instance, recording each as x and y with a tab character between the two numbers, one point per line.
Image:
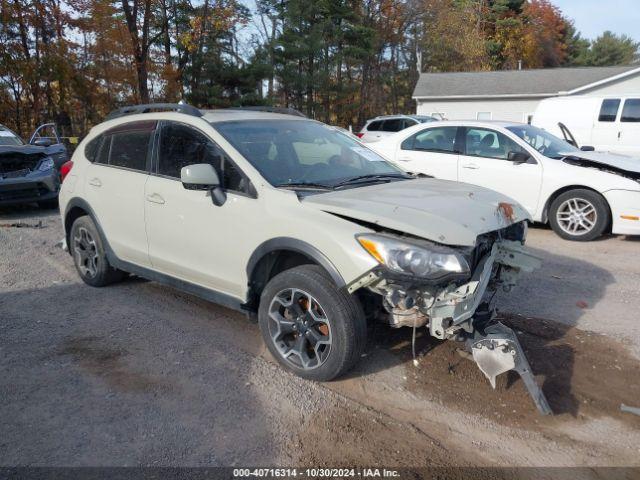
140	374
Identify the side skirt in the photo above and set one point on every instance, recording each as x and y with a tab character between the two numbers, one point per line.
187	287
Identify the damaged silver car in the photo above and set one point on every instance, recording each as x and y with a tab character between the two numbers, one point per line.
290	220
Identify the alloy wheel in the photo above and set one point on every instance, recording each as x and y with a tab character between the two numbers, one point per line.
299	328
577	216
86	252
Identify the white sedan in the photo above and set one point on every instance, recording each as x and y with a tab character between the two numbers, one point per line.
582	194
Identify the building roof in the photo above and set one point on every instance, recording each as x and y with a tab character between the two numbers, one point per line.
517	83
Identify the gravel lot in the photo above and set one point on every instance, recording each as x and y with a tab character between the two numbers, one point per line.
140	374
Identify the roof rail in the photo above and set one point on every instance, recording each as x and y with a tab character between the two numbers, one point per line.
260	108
155	107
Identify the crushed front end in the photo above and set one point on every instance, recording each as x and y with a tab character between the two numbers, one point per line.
27	174
449	291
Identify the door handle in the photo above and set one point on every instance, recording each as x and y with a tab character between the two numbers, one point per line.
404	159
95	182
470	166
155	198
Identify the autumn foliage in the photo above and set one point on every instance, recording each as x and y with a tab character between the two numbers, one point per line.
341	61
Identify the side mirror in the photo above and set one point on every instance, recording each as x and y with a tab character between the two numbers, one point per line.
42	142
587	148
202	176
518	157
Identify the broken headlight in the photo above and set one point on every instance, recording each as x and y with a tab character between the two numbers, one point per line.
46	164
424	261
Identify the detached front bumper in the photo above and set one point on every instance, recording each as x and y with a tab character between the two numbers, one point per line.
496	349
33	187
462	313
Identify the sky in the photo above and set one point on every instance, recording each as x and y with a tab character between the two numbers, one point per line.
592	17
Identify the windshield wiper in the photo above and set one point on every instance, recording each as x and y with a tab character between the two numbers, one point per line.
372	177
311	185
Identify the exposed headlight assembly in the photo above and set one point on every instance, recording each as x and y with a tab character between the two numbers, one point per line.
424	261
46	164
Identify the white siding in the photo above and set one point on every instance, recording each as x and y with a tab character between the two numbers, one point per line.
514	110
628	86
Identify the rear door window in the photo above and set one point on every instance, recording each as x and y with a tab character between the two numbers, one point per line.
125	146
130	149
609	110
393	125
631	111
441	139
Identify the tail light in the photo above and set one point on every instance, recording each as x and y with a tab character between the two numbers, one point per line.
65	169
359	134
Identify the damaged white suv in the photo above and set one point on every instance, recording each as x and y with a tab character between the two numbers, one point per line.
284	217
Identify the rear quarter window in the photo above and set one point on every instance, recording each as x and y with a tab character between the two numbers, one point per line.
374	126
92	147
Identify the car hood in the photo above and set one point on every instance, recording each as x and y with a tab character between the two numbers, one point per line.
620	162
25	149
442	211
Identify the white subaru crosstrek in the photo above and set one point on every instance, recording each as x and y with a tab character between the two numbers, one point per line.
284	217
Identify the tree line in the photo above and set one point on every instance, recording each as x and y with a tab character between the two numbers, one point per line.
340	61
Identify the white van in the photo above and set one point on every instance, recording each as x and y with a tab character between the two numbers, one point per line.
607	123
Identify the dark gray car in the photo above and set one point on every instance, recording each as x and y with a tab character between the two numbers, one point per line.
30	172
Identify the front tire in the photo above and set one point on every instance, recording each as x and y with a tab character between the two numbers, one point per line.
579	215
89	254
311	327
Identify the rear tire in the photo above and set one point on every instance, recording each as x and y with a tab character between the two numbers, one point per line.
580	215
89	254
311	327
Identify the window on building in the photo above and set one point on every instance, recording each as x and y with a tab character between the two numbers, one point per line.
483	116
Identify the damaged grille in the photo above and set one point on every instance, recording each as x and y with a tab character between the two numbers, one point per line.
18	164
